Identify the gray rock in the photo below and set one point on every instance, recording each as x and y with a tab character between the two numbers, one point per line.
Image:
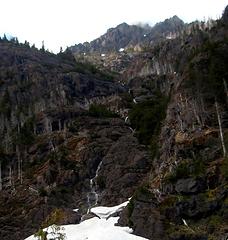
190	185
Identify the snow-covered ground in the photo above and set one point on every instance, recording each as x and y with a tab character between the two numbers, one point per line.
105	212
96	228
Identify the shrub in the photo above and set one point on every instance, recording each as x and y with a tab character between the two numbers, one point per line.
130	208
5	104
224	168
53	231
187	169
100	111
146	118
207	71
26	135
42	192
214	223
101	182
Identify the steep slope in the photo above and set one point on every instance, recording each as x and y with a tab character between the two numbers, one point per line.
156	131
115	39
186	194
55	136
125	36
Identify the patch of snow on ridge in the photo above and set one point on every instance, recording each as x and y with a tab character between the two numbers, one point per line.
105	212
96	228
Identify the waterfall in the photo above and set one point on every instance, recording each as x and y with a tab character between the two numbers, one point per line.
92	195
132	130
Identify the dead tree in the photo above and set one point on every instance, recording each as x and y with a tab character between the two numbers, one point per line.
220	129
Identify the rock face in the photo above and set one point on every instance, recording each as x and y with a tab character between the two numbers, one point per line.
123	168
142	215
155	132
188	171
124	36
190	185
59	165
113	40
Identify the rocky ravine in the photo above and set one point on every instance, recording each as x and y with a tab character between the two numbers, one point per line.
164	143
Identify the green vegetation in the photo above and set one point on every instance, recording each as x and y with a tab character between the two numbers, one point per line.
74	126
126	100
208	71
226	139
186	169
26	135
4	158
100	111
146	117
91	69
142	193
224	168
176	231
130	208
169	202
5	104
101	182
215	222
42	192
54	231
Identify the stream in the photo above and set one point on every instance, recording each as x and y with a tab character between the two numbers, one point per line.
92	195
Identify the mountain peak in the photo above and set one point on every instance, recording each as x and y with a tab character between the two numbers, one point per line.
225	15
124	35
124	24
176	18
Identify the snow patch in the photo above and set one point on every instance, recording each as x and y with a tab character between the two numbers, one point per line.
105	212
121	49
96	228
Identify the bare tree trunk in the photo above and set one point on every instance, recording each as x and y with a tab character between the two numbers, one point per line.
18	162
220	129
64	132
21	176
10	175
226	89
181	123
195	113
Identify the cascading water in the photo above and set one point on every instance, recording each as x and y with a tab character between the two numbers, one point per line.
92	195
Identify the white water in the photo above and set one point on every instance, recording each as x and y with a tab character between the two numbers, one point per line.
132	130
92	195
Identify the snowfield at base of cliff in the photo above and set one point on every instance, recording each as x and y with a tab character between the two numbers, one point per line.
97	228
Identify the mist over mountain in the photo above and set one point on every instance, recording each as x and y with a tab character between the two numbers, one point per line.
125	35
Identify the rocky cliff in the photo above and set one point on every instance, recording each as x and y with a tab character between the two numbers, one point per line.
186	194
74	136
125	36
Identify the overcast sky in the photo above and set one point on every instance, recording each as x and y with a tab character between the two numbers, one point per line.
67	22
